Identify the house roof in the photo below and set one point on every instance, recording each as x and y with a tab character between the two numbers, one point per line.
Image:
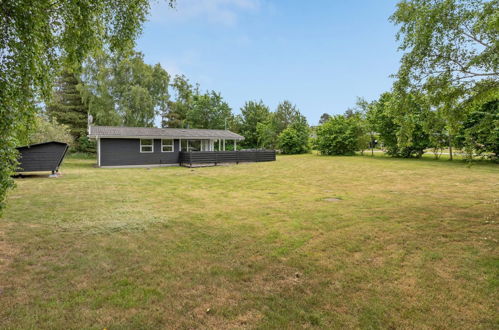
154	132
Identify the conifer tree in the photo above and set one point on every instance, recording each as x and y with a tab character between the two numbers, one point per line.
67	106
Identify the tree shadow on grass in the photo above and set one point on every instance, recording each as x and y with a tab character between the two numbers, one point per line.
429	159
31	175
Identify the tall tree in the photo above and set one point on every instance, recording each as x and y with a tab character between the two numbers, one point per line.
35	36
285	114
175	114
66	105
401	130
480	130
209	110
450	55
295	138
97	89
193	109
124	90
366	125
252	113
140	90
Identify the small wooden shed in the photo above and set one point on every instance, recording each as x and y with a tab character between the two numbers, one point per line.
39	157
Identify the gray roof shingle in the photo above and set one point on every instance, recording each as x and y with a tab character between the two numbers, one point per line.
154	132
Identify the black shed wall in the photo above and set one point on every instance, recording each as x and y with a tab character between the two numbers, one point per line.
41	157
125	152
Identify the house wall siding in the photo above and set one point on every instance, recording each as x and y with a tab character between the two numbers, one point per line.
122	152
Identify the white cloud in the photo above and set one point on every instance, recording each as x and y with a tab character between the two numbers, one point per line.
224	12
185	59
171	67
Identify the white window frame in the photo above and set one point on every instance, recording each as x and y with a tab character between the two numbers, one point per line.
172	145
147	145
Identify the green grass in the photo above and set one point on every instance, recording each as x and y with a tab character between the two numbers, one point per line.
408	244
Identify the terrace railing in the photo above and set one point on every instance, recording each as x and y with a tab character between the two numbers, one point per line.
219	157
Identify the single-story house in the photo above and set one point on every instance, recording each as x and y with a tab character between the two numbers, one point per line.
151	146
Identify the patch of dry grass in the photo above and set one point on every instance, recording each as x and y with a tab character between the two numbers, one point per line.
406	243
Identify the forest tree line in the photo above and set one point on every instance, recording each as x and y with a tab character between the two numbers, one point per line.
445	95
125	91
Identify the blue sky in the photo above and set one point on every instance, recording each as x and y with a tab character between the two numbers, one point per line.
318	54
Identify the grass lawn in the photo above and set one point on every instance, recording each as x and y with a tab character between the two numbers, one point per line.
397	244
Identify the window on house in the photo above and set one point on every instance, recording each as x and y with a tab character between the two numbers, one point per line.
167	145
191	145
146	145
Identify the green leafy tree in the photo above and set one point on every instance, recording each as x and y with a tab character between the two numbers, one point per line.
447	41
252	114
175	115
266	135
384	123
209	110
438	136
401	130
124	90
337	136
97	90
37	38
295	138
481	130
285	115
67	107
140	90
365	124
46	130
450	55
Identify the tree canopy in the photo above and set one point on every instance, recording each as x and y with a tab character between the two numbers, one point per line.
124	90
448	41
451	58
286	115
252	114
338	136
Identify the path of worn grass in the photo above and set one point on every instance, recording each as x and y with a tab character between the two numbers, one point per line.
409	244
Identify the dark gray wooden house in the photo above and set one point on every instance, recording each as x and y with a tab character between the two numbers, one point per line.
141	146
41	157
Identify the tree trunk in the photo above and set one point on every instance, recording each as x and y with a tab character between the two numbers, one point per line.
450	147
372	146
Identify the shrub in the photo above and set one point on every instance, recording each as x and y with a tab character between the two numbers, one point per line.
294	140
339	136
49	130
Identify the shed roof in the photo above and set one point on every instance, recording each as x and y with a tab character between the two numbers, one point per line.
154	132
40	144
